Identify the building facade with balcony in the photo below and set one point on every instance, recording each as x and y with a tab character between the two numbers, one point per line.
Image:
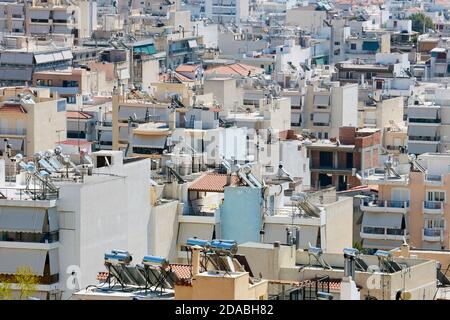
329	107
226	11
60	233
336	162
22	116
411	205
424	122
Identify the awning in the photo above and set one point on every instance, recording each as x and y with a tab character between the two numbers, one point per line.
147	49
188	230
16	58
422	131
321	117
58	56
61	15
43	58
192	44
39	14
16	144
67	54
22	219
383	220
419	148
149	141
11	259
370	45
423	113
22	74
295	118
53	224
321	100
319	61
106	136
54	261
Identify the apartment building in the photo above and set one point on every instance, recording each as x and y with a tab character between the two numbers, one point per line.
411	205
22	58
31	120
336	162
424	123
293	276
49	18
60	225
226	11
329	106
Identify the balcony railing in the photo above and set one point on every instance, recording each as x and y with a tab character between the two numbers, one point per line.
422	120
424	138
432	204
385	203
383	233
16	131
433	234
47	237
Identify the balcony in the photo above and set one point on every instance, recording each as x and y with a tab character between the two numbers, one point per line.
13	132
381	233
418	121
385	206
433	207
433	179
432	235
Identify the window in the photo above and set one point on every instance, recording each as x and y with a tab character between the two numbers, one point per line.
353	46
319	135
325	135
435	195
61	105
337	43
71	99
435	223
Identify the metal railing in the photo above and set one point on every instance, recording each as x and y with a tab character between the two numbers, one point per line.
424	138
433	204
385	203
431	232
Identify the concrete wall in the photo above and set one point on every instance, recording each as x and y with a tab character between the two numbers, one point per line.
339	225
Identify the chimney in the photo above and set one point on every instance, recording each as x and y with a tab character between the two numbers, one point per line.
196	260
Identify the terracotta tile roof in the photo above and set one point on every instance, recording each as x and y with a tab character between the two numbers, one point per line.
182	272
78	115
12	107
212	182
187	68
102	276
178	76
74	142
235	69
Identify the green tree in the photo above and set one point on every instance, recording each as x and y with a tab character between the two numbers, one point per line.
27	282
419	20
5	290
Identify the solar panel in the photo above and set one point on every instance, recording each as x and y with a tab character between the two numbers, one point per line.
47	166
55	164
134	276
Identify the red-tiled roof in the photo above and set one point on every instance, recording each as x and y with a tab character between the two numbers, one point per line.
212	182
235	69
75	142
187	67
78	115
182	272
12	107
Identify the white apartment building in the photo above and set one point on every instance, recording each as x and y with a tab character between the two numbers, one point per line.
328	107
61	225
225	11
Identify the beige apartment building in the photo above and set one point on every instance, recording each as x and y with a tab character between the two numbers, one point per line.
31	119
412	205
